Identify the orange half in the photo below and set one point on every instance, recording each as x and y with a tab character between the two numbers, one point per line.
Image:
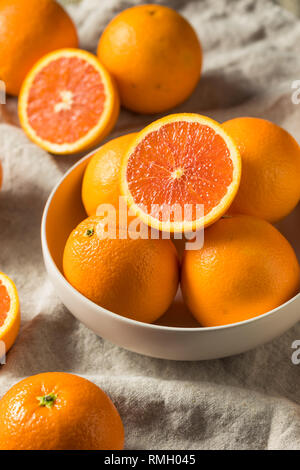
9	312
68	102
182	161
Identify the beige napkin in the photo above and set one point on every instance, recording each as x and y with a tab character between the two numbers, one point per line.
249	401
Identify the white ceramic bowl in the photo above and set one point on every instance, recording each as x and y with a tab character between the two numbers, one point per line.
64	211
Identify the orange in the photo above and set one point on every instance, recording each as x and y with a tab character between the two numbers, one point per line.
183	162
9	312
28	30
59	411
270	184
101	181
245	268
154	55
68	102
134	278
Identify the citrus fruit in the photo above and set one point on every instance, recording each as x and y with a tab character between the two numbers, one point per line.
68	102
101	181
181	160
9	312
59	411
154	55
245	268
30	29
136	278
270	184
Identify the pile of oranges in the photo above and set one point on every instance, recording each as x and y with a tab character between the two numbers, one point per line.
245	268
181	174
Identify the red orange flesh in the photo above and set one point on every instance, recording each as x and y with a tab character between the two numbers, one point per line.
181	159
68	102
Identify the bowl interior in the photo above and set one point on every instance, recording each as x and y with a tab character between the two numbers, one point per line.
66	210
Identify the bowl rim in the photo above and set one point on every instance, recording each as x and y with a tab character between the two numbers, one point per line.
126	320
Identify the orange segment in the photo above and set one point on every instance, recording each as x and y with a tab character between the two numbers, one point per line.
68	102
183	159
9	311
4	303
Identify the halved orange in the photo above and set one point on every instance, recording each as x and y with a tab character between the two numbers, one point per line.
68	102
9	312
182	161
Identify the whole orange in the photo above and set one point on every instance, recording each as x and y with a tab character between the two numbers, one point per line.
101	181
154	55
28	30
270	184
136	278
245	268
59	411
